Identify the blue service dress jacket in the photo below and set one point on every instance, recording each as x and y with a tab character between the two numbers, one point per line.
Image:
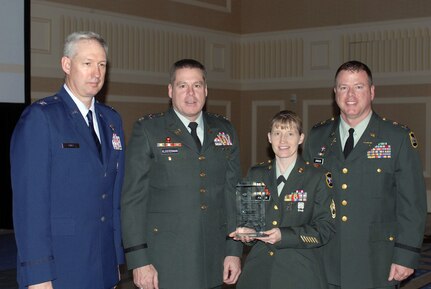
304	213
66	199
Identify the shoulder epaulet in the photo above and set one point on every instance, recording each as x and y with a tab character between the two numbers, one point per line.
264	164
47	100
330	120
151	116
396	124
105	105
413	139
217	115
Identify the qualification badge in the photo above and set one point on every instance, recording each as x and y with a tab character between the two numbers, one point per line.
301	207
332	208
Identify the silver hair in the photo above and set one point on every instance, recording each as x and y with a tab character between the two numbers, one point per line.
75	37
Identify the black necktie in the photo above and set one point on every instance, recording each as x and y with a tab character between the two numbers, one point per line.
280	179
193	126
348	147
93	132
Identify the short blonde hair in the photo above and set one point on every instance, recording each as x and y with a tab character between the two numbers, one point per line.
285	119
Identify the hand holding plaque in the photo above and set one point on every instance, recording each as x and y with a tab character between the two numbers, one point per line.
250	201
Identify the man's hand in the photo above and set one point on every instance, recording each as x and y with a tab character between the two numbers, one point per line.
44	285
399	272
273	236
232	269
146	277
240	234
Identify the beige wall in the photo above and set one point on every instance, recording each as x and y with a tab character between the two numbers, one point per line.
273	15
251	76
224	15
252	16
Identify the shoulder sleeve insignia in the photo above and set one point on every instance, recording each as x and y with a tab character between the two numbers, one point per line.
329	180
413	140
332	208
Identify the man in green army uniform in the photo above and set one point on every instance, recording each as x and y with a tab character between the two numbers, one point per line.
178	201
379	188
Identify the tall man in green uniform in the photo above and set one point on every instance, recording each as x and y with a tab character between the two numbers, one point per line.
178	201
379	188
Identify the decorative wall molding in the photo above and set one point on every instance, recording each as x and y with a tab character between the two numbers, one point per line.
221	5
255	105
306	107
142	50
41	35
227	105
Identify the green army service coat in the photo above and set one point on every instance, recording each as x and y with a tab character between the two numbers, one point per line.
178	204
380	198
303	214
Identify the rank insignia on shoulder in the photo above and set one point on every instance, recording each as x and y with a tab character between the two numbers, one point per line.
151	116
413	140
329	183
332	208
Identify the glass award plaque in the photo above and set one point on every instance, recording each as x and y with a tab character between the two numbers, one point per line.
251	198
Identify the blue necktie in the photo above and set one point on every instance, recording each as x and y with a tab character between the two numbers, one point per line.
93	132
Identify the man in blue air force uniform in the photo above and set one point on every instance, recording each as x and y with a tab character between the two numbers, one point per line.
67	170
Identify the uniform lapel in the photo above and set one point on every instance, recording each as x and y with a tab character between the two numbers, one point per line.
295	179
367	140
105	131
270	180
331	146
210	131
177	128
335	145
78	121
